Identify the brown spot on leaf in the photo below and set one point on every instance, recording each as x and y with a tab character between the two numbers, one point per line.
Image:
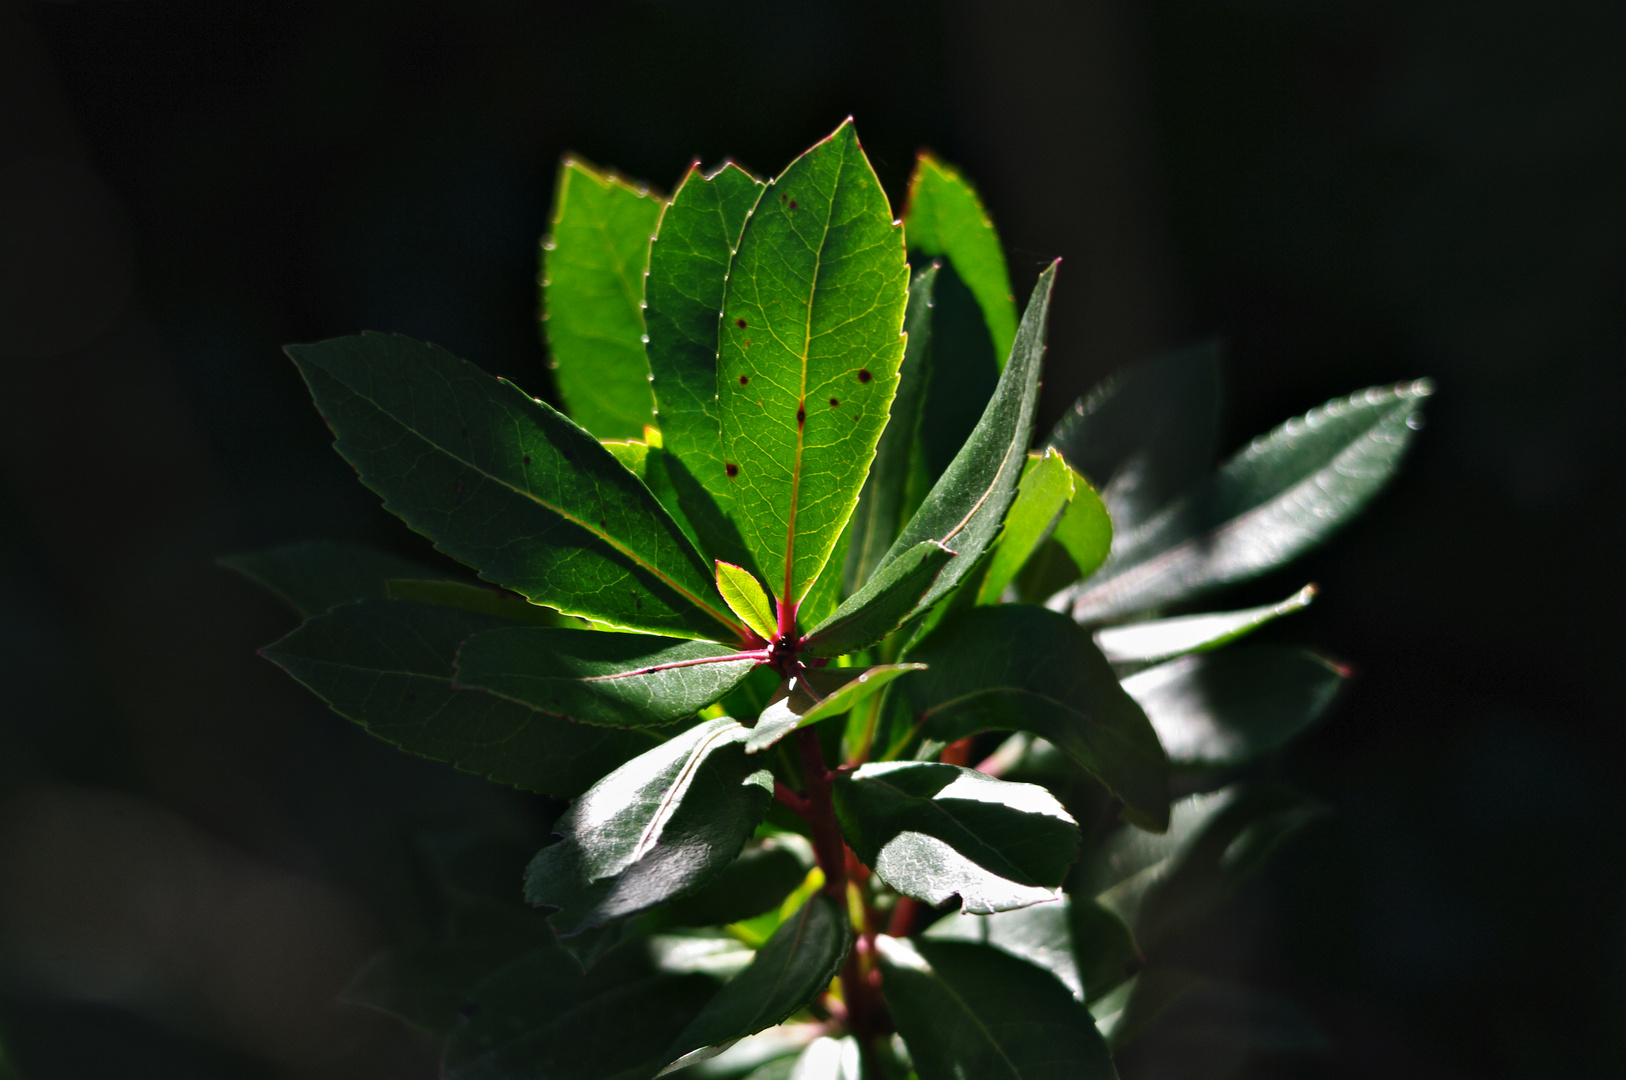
834	403
793	204
732	469
527	459
864	375
744	379
740	323
801	415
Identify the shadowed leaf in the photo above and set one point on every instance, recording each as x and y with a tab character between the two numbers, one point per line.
317	575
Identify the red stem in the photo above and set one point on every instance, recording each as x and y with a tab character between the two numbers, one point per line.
828	846
759	655
903	917
797	803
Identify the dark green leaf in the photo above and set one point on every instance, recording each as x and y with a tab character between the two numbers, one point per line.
647	461
1281	496
1147	435
967	505
1045	490
461	594
1221	1023
811	344
387	664
543	1017
818	694
884	603
969	1010
688	273
592	298
1022	668
318	575
934	831
945	217
1221	709
758	881
1164	639
427	984
1103	946
965	368
882	503
623	680
661	825
790	970
1041	935
510	486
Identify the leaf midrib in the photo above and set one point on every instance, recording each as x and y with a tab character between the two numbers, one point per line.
674	792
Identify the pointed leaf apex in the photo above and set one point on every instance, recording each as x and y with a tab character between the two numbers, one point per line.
746	597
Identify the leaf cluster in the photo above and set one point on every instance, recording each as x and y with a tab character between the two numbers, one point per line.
872	716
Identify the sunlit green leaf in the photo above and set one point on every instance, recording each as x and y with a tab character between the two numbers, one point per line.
662	824
745	597
971	1010
1042	935
387	665
1164	639
884	603
508	485
1085	529
1019	667
1226	708
317	575
1281	496
945	217
1043	493
935	831
592	299
623	680
811	344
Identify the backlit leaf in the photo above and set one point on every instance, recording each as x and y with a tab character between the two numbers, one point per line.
662	824
1045	490
1164	639
592	298
934	831
387	665
811	344
509	486
745	597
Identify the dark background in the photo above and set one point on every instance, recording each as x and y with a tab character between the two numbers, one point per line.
195	855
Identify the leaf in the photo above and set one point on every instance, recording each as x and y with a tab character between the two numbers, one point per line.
818	694
1223	709
945	217
1147	435
824	597
1219	1022
745	597
758	881
811	344
461	594
1019	667
1164	639
965	507
882	502
622	680
970	1010
1041	935
1103	946
1085	529
315	576
661	825
790	970
885	602
1045	490
932	831
826	1058
688	273
427	984
387	665
509	486
592	299
965	369
647	461
1275	500
543	1017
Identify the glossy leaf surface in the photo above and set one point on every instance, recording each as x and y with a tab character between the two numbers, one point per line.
1281	496
884	603
1164	639
688	274
1042	935
811	344
934	831
387	665
966	506
818	694
882	503
1045	490
1227	708
543	1017
745	597
315	576
971	1010
945	217
509	486
792	968
1019	667
592	299
660	825
623	680
1148	434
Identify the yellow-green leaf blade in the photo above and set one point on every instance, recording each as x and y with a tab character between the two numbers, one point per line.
592	296
811	344
1043	493
746	598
